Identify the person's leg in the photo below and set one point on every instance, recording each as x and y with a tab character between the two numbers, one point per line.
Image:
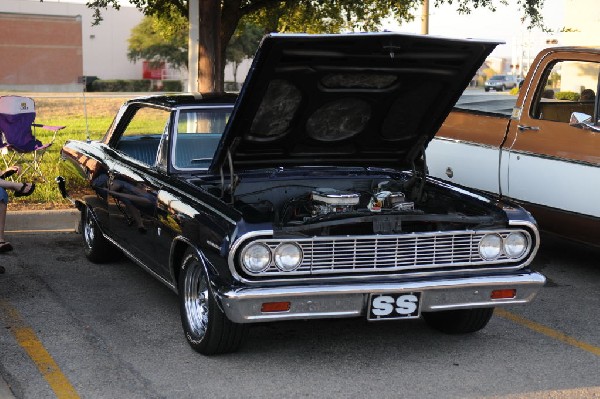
15	186
5	246
3	206
2	222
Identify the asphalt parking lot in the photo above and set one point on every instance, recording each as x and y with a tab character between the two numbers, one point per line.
70	328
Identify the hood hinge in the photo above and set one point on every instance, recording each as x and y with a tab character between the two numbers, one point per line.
233	179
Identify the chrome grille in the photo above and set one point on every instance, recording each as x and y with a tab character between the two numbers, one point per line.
389	253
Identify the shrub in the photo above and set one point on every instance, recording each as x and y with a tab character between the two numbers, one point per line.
567	95
136	85
120	85
172	85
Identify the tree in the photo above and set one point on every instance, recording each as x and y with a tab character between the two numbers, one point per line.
243	44
219	19
157	40
165	39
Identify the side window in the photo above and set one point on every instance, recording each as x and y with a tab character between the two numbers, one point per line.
197	137
141	137
567	87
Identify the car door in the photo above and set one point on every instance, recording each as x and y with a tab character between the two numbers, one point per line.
550	164
133	186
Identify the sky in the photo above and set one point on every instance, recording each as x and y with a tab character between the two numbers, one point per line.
503	24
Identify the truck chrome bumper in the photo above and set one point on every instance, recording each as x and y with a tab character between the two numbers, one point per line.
244	305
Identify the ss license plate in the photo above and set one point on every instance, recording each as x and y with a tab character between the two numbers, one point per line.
394	306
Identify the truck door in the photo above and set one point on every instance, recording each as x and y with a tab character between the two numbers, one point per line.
549	164
466	149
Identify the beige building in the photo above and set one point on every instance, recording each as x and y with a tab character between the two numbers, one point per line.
48	46
40	50
583	17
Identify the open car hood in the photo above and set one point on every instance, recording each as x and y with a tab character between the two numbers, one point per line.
367	99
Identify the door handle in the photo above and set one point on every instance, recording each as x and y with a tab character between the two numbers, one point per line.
524	127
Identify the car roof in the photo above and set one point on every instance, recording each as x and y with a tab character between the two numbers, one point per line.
180	100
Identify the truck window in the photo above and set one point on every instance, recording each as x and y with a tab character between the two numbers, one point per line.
567	87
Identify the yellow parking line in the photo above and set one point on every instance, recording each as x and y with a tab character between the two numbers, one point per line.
28	340
539	328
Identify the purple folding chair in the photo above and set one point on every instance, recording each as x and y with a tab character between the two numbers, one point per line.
18	143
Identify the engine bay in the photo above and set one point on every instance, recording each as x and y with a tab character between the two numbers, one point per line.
354	205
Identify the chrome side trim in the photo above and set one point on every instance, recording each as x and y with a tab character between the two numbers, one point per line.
243	305
141	264
552	158
466	142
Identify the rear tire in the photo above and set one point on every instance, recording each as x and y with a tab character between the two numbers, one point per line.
207	329
462	321
97	248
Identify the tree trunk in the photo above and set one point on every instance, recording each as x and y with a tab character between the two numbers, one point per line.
230	18
210	54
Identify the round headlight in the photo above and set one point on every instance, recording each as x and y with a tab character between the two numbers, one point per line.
288	257
515	245
256	258
490	246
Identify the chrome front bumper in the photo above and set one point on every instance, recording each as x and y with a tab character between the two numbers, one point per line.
244	305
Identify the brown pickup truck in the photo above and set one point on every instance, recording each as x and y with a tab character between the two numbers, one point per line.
540	148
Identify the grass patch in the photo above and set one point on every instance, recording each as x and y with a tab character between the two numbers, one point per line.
70	112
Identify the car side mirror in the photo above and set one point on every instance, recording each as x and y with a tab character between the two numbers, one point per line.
583	121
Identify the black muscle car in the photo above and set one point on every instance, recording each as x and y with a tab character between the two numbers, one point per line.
307	196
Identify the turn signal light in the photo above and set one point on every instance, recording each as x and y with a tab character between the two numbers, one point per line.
504	294
275	307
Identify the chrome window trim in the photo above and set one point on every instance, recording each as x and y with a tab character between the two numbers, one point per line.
175	132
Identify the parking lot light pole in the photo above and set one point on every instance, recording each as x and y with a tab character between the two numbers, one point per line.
425	18
194	32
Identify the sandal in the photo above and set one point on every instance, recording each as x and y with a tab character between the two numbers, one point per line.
5	246
23	193
9	172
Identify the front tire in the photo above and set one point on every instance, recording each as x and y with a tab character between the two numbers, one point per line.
97	248
462	321
207	329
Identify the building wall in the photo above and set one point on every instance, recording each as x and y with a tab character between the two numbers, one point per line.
583	18
40	50
103	47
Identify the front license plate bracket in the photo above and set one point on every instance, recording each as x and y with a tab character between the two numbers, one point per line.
406	305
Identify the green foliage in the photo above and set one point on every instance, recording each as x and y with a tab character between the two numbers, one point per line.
567	95
119	85
310	16
172	86
160	39
243	44
319	16
135	85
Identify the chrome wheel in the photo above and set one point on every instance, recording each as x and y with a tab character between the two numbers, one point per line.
195	297
97	248
206	328
89	232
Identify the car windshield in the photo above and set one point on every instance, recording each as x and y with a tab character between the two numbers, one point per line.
197	135
498	77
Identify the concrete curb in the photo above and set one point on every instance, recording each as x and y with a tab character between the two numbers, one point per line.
42	221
